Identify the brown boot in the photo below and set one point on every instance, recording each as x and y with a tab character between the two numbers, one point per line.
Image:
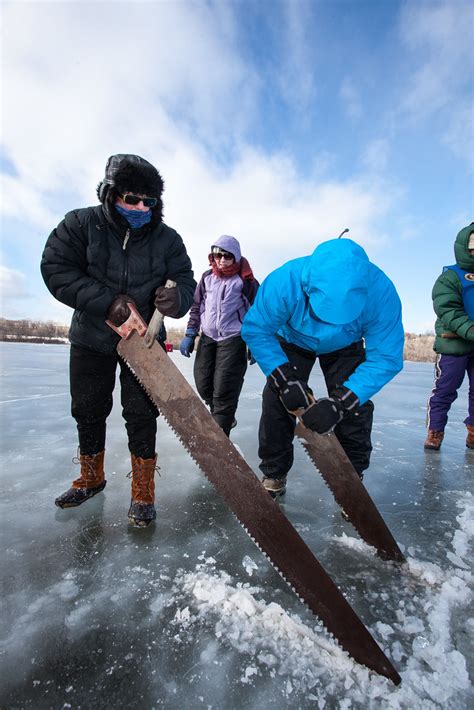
434	439
470	436
90	482
142	509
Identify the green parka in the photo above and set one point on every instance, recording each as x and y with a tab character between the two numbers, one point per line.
454	329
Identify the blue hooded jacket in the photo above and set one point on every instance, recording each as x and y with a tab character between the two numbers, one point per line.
325	302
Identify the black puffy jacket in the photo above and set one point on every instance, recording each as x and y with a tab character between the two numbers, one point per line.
93	256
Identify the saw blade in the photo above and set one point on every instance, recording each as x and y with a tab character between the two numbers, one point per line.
256	511
331	460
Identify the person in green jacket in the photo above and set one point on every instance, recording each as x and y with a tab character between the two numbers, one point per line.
453	302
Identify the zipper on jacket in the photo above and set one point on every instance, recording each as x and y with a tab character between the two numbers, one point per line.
125	262
219	311
125	240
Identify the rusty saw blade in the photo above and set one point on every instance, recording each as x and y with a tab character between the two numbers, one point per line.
331	460
257	512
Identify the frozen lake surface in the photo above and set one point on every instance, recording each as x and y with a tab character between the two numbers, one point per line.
188	613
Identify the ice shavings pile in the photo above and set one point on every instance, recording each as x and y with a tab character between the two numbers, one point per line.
278	643
306	660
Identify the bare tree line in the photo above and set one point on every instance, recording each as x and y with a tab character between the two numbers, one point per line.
33	331
418	348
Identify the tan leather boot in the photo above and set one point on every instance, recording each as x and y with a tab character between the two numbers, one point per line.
434	440
90	482
470	436
142	509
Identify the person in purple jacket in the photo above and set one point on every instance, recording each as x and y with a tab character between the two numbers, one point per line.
222	298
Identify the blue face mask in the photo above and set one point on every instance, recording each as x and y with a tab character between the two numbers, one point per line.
135	218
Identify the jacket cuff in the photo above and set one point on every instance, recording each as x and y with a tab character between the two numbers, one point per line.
346	397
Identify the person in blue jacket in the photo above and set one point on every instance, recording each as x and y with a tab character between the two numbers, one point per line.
337	306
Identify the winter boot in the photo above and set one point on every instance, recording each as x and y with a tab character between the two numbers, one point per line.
142	509
470	436
275	486
90	481
434	440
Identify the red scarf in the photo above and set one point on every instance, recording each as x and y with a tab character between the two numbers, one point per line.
241	267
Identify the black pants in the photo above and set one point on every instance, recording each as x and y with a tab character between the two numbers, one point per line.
277	426
92	382
219	369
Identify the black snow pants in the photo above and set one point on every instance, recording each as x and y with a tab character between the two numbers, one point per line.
92	381
219	369
277	426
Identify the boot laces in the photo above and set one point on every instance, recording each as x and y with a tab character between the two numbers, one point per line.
88	472
143	480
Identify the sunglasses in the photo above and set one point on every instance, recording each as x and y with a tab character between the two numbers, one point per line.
222	255
135	200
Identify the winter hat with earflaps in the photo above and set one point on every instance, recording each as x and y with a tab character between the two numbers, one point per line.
130	173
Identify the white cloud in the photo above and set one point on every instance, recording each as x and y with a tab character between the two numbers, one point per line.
436	35
19	300
460	134
13	284
264	203
19	197
90	90
296	74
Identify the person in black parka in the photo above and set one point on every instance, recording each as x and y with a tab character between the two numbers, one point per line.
97	260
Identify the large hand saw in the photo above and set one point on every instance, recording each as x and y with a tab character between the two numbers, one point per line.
341	478
238	485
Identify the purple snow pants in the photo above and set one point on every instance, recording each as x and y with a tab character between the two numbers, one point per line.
449	374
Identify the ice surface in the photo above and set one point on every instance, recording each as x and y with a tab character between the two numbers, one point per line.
189	613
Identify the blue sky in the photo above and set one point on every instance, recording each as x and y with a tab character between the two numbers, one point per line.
281	123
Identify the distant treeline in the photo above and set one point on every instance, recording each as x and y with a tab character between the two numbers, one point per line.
418	348
31	331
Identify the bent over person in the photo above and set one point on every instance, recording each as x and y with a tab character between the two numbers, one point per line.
98	260
337	306
222	298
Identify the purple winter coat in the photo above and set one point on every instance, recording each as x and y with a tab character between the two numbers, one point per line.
220	303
